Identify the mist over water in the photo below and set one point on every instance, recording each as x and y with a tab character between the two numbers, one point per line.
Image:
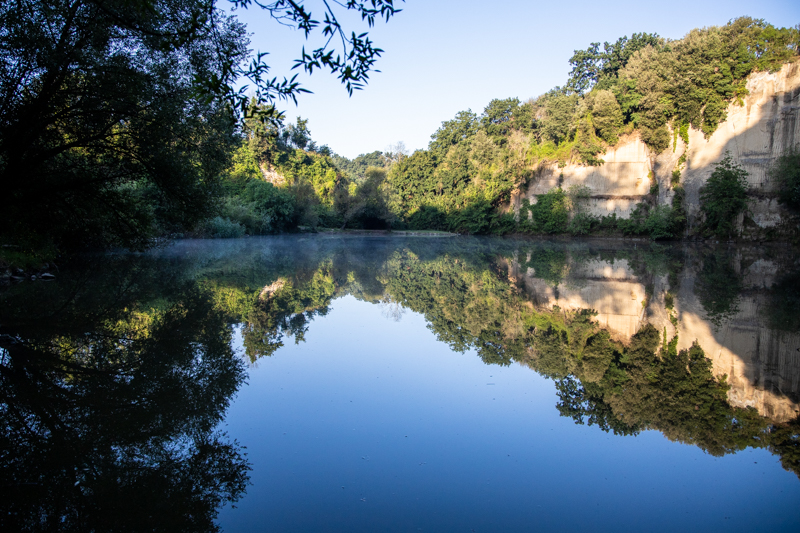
340	383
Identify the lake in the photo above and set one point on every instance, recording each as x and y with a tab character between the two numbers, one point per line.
377	383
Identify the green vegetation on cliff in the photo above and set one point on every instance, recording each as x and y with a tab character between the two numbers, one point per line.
475	163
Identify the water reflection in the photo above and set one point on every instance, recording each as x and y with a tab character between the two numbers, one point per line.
112	383
698	343
115	377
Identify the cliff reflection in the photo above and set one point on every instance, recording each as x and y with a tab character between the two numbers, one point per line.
677	339
115	376
112	383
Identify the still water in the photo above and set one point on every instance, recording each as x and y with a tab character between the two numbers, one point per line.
330	383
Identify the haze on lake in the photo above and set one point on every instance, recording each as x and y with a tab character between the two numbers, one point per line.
375	383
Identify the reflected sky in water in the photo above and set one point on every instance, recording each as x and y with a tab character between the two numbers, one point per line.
373	424
402	384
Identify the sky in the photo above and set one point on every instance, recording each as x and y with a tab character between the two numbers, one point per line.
446	56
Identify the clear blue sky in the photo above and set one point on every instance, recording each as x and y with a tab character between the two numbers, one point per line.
444	56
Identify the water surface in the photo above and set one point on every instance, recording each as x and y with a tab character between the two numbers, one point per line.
405	384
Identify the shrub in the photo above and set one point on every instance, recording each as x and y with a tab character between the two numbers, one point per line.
659	222
678	211
786	173
724	197
676	177
275	207
427	217
474	218
223	228
550	214
582	223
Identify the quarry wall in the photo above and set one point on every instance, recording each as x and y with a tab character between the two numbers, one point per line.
756	132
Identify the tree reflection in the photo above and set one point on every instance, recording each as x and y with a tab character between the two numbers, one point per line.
472	300
645	383
113	380
109	408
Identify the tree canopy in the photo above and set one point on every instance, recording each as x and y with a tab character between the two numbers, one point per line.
118	116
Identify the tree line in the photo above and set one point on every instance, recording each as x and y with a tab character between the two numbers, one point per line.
464	181
121	123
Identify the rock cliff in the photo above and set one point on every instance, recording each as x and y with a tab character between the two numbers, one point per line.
757	131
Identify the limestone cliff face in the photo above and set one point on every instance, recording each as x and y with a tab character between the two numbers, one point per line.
617	185
762	365
755	134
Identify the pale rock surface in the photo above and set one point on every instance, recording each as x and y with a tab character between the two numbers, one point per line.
755	134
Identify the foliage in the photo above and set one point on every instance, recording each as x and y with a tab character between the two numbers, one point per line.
784	302
550	213
582	223
607	116
724	197
367	208
718	287
118	116
498	118
657	221
692	80
224	228
356	169
84	162
591	65
452	132
128	392
645	82
786	175
560	111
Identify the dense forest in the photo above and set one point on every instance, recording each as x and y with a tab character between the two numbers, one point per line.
464	181
85	163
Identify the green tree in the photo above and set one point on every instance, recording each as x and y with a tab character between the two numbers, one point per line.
786	175
590	66
451	132
607	116
298	133
724	197
497	118
559	124
118	115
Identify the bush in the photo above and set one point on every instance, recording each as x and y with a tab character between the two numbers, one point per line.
427	217
659	222
474	218
582	223
550	214
678	211
223	228
676	177
786	173
275	207
724	197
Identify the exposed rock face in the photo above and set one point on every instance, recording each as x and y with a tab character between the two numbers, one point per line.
755	134
272	176
762	364
616	186
269	290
